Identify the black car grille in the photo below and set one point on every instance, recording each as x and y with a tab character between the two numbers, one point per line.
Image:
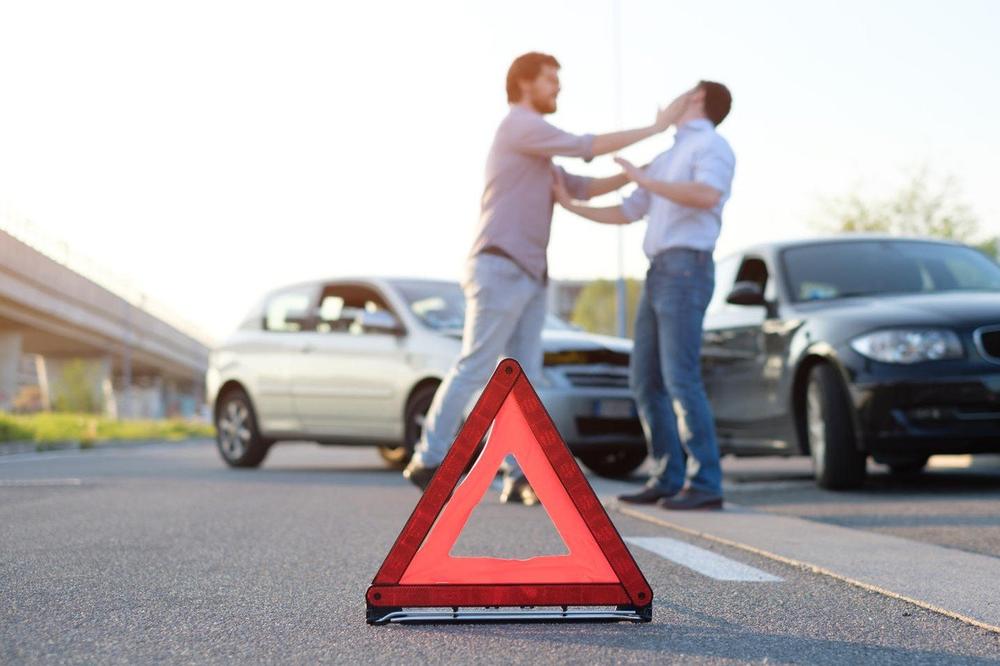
597	379
586	357
989	341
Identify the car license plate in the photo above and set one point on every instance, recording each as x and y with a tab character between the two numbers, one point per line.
614	409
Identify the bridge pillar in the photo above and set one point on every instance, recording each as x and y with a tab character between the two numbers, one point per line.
76	383
10	359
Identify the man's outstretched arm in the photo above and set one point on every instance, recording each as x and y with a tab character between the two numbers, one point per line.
609	143
608	215
598	186
535	136
691	194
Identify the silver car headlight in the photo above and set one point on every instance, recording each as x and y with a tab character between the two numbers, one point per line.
909	345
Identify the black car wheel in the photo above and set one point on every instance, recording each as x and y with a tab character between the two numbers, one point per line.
236	434
416	411
613	464
837	462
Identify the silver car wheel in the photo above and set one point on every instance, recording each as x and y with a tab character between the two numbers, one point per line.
816	426
233	429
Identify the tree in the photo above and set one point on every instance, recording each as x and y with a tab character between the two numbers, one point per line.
924	206
596	310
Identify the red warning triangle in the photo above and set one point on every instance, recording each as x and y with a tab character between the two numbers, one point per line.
598	570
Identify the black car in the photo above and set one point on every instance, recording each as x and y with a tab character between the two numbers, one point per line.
855	346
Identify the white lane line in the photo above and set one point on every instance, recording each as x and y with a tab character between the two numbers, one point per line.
26	483
703	561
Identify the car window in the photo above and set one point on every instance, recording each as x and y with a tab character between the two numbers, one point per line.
728	272
342	308
288	311
862	268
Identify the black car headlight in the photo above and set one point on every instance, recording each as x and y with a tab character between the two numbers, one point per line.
909	345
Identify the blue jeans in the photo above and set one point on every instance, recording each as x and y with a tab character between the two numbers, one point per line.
665	371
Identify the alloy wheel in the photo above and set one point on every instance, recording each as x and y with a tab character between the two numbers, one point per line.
816	426
234	429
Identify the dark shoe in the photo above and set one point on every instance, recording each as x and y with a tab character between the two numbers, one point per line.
647	495
419	475
516	489
690	499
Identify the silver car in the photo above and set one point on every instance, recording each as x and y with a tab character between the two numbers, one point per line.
357	361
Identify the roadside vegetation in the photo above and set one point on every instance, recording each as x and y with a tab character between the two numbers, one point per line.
57	427
926	204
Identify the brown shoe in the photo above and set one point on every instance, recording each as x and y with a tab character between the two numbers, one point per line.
690	499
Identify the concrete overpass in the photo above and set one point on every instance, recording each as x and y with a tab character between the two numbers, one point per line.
73	335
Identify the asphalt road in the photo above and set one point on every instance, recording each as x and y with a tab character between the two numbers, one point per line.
160	553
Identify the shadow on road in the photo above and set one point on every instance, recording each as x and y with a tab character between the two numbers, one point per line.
680	633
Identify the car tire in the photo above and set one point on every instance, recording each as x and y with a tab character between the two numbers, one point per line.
236	432
413	422
837	462
613	463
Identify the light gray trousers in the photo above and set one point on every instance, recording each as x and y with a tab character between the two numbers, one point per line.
504	316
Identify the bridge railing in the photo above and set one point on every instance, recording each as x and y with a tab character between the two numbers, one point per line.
59	251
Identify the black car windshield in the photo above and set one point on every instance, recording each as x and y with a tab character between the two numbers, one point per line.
441	305
864	268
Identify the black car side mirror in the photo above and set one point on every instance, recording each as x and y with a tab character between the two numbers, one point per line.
746	292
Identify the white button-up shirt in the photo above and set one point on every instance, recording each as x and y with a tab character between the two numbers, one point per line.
699	155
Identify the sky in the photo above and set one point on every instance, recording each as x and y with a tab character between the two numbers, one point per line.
207	152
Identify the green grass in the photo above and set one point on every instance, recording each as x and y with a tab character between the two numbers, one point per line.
87	428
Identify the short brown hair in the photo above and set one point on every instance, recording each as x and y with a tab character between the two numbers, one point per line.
526	68
718	100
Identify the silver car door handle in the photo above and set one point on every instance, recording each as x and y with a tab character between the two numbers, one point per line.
306	349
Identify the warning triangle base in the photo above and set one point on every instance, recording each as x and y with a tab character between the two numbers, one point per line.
420	573
377	615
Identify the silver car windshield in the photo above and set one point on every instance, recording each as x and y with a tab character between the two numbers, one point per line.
441	305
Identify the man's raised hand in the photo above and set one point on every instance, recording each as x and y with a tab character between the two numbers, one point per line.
633	172
672	112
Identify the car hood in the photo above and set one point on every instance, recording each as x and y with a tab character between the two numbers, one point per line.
556	340
951	309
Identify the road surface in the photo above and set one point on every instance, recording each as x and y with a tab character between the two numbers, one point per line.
160	553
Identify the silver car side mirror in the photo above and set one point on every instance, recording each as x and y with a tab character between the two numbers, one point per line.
380	321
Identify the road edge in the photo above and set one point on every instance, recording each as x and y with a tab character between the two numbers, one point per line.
632	513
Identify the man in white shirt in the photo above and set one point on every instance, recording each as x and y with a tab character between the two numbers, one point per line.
681	194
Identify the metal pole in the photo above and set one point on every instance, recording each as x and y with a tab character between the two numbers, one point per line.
621	299
127	363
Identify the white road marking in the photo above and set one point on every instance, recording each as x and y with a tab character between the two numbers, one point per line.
703	561
19	483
